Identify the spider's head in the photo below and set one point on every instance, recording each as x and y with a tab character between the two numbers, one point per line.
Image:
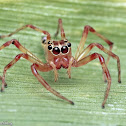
61	47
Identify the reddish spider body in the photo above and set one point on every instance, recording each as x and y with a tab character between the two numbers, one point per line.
58	54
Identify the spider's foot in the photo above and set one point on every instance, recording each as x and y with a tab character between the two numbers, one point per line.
69	72
72	103
56	76
69	76
105	81
103	106
2	89
5	85
119	81
1	36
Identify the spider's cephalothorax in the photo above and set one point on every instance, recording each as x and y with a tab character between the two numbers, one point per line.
58	54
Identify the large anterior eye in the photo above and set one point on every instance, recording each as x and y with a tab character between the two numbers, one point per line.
56	50
64	49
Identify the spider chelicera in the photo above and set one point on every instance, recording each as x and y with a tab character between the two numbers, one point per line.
58	55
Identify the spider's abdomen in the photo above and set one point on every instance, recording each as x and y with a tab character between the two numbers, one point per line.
61	62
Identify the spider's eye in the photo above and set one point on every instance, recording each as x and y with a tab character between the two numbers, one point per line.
49	47
69	44
66	40
44	40
49	42
56	50
64	49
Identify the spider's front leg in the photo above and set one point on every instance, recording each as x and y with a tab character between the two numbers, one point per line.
34	68
27	26
91	57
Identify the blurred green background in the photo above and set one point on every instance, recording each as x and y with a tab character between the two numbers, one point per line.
25	102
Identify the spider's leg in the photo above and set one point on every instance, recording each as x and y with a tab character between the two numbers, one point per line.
30	57
70	65
24	50
88	49
46	85
91	57
55	70
88	28
5	84
30	26
60	27
19	46
46	67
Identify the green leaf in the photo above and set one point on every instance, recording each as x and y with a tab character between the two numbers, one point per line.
26	102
